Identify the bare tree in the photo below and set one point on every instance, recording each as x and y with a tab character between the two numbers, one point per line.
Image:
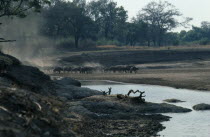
161	17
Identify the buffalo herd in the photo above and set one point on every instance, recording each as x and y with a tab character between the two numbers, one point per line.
90	70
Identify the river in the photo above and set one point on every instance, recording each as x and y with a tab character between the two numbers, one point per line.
192	124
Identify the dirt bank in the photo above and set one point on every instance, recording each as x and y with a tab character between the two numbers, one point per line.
110	58
176	67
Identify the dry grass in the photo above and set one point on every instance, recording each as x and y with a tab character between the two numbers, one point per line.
109	47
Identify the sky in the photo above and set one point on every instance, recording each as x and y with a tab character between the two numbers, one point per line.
199	10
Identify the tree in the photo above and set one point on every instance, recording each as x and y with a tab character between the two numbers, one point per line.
109	18
18	8
161	17
67	18
197	35
136	33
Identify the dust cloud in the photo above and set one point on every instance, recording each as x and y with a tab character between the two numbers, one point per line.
30	46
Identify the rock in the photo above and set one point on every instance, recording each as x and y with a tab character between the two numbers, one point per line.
73	92
120	96
201	107
29	77
71	89
7	60
68	81
109	105
173	101
5	82
20	115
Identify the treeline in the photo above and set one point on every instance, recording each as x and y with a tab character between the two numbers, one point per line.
74	24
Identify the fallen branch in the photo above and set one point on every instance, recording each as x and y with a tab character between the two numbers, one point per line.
3	40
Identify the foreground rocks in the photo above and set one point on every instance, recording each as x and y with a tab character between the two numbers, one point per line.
110	116
201	107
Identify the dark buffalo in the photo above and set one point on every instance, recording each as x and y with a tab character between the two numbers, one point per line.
57	70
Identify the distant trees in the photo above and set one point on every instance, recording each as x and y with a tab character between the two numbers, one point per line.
109	19
19	8
197	35
105	23
161	17
65	19
96	20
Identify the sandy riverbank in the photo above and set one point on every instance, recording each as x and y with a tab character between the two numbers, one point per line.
194	78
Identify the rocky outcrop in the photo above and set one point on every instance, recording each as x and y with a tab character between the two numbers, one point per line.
25	113
110	105
202	106
110	116
72	92
7	61
30	78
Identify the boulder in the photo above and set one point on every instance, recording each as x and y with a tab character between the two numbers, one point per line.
201	107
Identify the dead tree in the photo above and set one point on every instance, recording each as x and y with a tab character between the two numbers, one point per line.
110	90
107	93
140	98
130	91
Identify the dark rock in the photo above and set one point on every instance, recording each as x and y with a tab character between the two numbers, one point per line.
8	60
73	92
110	105
173	101
120	96
201	107
29	77
25	113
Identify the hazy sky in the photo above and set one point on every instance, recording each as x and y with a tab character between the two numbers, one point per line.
199	10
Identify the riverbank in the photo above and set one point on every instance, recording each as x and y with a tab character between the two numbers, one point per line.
187	68
187	78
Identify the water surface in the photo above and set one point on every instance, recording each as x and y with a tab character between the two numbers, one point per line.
192	124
